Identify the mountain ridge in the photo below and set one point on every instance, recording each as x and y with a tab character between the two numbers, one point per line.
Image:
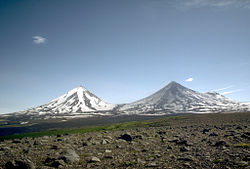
176	98
172	98
76	101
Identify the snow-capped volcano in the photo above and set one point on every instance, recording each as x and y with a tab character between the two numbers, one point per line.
77	101
175	98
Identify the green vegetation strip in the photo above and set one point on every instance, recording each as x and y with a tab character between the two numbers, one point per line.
117	126
242	145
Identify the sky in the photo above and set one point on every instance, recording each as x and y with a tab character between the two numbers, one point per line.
121	50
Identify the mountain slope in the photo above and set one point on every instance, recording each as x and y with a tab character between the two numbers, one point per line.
75	102
175	98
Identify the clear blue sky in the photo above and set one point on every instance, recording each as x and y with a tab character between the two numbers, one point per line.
121	50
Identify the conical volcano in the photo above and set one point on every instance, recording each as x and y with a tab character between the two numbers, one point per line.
77	101
175	98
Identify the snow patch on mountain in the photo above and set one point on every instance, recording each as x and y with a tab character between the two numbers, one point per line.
77	101
175	98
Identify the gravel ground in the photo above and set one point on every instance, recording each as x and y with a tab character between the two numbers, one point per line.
193	141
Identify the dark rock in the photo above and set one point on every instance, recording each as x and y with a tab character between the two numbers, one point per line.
16	141
108	157
90	138
245	136
228	135
137	137
169	147
52	162
182	142
220	143
19	165
9	165
36	142
184	149
118	146
246	158
84	144
27	141
54	147
238	128
203	140
186	158
161	132
126	137
204	131
213	134
247	133
26	151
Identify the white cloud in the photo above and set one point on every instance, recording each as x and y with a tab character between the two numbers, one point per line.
180	4
39	39
232	91
189	79
224	88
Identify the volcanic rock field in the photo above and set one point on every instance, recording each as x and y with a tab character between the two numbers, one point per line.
188	141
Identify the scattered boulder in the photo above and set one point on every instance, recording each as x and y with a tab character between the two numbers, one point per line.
242	163
104	141
186	158
161	132
52	162
16	141
169	147
220	143
108	157
84	144
152	164
108	151
174	140
245	135
19	165
137	137
184	149
69	156
36	142
126	137
239	128
213	134
187	165
204	131
94	160
54	147
182	142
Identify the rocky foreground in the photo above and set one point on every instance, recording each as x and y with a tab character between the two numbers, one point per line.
191	141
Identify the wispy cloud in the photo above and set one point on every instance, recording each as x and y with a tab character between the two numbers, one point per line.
224	88
232	91
189	79
211	3
39	39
